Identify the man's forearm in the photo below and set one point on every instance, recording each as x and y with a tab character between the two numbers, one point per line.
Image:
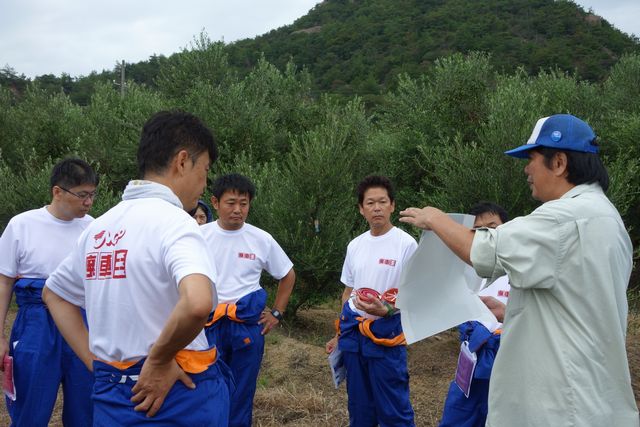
6	289
285	287
346	294
186	320
457	237
68	319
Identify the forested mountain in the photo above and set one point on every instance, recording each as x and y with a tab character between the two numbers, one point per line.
360	46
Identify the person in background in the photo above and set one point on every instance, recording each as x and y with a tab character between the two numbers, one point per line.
370	333
31	247
202	213
483	339
240	253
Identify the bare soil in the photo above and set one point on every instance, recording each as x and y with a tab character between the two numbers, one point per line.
295	387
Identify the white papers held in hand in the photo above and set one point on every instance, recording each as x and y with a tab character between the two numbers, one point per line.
338	371
435	293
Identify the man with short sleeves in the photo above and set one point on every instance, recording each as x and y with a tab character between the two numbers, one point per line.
31	247
370	333
562	359
240	253
143	275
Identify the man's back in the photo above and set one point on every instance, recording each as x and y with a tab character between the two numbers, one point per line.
134	259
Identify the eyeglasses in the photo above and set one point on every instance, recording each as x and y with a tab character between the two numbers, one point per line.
83	195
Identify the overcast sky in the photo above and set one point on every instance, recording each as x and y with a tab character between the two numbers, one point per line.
79	36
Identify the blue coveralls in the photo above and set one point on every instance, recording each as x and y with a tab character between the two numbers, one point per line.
235	331
206	405
460	411
377	374
41	361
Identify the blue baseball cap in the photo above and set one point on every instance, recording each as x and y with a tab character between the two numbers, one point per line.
562	131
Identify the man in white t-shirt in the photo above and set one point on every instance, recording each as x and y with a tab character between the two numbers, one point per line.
142	272
483	340
240	252
31	247
370	337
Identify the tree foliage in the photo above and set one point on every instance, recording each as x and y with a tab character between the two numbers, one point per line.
439	135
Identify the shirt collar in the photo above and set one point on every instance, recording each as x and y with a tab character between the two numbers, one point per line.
582	188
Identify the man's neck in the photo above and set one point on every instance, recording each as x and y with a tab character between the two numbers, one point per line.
379	231
227	228
58	213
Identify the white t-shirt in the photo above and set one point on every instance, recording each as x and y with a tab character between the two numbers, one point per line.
376	261
35	242
499	289
240	256
125	271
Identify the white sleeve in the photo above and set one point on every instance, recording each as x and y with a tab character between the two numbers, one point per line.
185	252
278	263
66	281
409	249
9	246
347	274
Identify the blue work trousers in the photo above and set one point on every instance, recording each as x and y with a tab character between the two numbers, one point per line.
205	406
42	360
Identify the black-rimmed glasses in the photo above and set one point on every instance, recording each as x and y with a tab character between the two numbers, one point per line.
83	195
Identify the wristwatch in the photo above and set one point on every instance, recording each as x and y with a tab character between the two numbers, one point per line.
275	313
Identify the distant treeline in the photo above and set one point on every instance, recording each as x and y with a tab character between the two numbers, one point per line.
439	136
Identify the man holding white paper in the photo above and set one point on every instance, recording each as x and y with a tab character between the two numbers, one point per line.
371	338
562	359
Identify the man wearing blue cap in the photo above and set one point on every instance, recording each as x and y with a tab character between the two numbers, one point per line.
562	359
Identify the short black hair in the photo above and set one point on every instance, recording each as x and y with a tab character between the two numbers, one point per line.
489	207
582	168
168	132
375	181
233	182
71	172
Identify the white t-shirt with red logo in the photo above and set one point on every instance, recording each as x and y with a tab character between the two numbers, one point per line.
35	242
240	256
376	261
499	289
125	271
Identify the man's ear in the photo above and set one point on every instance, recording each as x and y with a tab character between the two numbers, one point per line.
560	164
214	202
180	160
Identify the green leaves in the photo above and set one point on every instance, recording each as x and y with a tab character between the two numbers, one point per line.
439	136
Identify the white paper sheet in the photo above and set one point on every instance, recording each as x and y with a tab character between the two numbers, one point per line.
338	370
436	290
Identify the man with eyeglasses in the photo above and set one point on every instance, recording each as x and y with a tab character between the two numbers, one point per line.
31	247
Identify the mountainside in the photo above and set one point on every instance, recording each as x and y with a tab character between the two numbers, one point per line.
359	46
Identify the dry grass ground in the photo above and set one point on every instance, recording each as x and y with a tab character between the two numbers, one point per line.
295	388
